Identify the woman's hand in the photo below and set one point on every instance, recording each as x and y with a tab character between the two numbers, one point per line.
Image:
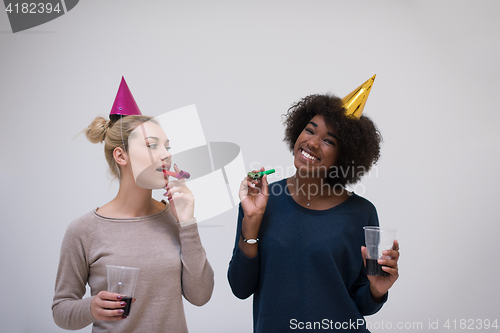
107	306
181	199
379	285
253	195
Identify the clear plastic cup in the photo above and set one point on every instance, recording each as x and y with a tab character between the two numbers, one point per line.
377	240
122	280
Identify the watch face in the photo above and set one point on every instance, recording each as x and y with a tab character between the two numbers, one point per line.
251	241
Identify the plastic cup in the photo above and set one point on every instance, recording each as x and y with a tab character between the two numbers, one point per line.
377	240
122	280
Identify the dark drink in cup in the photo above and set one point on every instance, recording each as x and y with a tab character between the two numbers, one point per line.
126	309
374	268
377	241
122	281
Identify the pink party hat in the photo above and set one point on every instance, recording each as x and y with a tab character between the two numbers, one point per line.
124	104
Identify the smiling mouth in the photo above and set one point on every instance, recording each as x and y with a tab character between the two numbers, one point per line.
308	156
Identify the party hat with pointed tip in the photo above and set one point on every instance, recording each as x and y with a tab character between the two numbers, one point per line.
124	104
354	103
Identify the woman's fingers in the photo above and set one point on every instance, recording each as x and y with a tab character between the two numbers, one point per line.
109	300
109	315
107	306
181	183
265	186
176	183
112	304
174	189
391	253
394	252
395	245
179	198
244	187
248	186
106	295
363	254
180	193
390	258
388	262
393	271
252	184
178	189
252	188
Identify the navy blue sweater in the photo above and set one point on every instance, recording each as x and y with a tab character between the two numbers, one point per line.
309	272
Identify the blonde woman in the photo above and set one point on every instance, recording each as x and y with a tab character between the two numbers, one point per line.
134	230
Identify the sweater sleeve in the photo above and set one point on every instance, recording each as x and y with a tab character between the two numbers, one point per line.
243	273
363	298
361	288
69	310
197	274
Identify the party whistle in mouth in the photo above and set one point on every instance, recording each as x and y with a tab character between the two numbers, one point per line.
257	175
180	175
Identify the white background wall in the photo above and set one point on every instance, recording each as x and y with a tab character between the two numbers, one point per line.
243	63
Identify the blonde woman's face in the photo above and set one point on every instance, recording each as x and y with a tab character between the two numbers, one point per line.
149	155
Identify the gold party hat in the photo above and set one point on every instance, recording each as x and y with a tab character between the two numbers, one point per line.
354	103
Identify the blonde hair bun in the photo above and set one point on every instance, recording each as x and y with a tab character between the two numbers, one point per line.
115	134
96	131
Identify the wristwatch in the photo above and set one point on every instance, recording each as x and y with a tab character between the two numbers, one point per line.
249	241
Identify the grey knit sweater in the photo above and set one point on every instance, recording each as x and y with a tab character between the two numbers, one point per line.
172	264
